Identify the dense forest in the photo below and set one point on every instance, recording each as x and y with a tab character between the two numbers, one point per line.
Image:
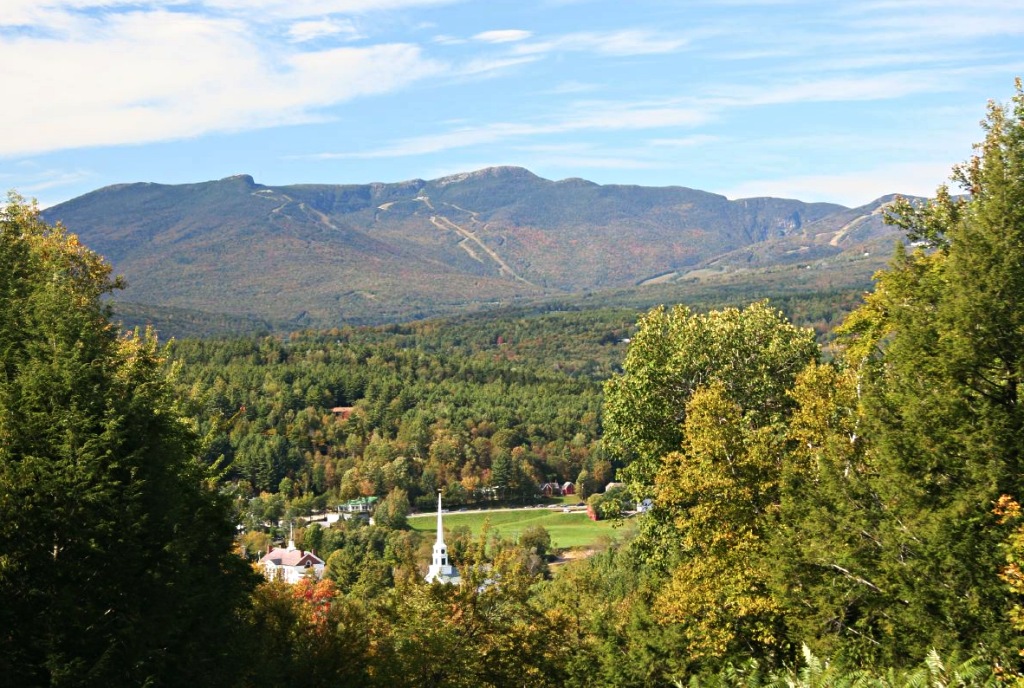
483	409
829	507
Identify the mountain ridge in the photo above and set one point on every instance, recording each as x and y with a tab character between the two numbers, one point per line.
379	252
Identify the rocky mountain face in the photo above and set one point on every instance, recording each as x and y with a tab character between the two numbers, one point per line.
330	254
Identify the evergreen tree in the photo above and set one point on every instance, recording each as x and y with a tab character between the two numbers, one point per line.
940	344
825	544
115	555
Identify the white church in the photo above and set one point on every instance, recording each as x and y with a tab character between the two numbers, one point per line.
440	569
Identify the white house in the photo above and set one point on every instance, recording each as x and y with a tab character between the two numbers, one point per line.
440	570
290	564
361	505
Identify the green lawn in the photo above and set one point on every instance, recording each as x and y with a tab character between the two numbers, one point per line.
567	530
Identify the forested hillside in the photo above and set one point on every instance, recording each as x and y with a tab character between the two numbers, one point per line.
828	506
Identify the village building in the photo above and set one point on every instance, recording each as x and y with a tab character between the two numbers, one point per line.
551	490
343	412
441	569
554	489
360	505
290	564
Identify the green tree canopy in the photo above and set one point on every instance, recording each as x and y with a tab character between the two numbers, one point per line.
115	556
754	353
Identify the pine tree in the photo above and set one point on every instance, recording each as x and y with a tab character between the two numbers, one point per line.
115	561
941	346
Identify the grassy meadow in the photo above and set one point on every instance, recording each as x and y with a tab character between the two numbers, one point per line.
567	530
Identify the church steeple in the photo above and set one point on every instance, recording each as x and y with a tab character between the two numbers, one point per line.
440	550
440	569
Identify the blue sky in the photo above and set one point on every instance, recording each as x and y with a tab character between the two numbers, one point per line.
836	101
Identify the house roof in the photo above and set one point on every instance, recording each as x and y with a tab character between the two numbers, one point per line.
281	556
360	500
343	412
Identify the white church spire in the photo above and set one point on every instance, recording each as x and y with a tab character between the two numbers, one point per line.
440	569
440	526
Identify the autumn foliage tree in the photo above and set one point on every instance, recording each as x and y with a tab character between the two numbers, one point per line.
701	407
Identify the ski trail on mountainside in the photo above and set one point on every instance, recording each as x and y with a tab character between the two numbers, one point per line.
468	238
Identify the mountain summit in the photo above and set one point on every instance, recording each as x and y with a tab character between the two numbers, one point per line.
328	254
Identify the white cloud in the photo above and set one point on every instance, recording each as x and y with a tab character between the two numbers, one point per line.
31	179
321	28
502	36
480	66
568	87
591	116
938	29
444	39
319	8
147	76
615	43
596	162
56	13
50	179
916	6
685	141
839	88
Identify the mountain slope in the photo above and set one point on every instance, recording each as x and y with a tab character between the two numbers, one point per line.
327	254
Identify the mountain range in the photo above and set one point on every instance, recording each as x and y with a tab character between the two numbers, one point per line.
323	255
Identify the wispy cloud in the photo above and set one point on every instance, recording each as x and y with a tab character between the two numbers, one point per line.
618	43
303	31
685	141
34	12
502	36
853	188
596	162
445	39
319	8
837	88
592	116
490	65
570	87
31	179
916	6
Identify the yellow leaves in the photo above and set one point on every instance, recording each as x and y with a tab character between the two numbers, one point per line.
1008	510
826	421
720	601
723	482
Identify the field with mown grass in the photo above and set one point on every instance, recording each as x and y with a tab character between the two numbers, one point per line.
567	530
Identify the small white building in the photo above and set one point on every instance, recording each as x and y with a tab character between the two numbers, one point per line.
290	564
361	505
440	569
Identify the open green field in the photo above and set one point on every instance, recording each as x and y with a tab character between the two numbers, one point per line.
567	530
